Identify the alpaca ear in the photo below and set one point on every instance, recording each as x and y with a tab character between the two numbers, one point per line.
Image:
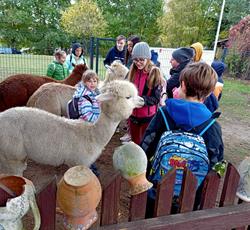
104	97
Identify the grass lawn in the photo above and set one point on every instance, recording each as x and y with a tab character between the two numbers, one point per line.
235	100
33	64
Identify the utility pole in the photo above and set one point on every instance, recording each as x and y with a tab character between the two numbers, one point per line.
218	27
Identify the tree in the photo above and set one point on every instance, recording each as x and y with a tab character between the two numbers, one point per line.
84	18
133	17
234	12
189	21
32	23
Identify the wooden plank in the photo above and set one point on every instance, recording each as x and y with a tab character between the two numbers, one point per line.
230	185
46	202
215	218
210	190
242	227
137	207
110	201
188	191
164	194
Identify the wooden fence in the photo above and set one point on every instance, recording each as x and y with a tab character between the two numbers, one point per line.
217	209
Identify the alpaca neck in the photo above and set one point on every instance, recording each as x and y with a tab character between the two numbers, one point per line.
104	129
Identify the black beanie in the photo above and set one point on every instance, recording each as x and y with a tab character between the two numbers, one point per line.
183	54
75	46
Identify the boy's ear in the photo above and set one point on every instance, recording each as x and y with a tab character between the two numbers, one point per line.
183	87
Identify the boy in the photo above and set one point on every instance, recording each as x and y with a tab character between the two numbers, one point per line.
188	113
197	81
117	52
58	69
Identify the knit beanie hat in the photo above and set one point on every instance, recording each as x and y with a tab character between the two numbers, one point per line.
75	46
183	54
141	50
198	47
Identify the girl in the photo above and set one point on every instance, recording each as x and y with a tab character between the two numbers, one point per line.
86	92
148	80
58	69
76	57
132	40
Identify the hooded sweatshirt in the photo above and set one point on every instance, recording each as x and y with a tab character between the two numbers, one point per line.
88	106
219	68
198	48
184	115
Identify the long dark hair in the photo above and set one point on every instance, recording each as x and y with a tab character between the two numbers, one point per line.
135	39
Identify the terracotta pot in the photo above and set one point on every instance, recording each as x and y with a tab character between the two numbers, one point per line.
78	195
139	184
20	197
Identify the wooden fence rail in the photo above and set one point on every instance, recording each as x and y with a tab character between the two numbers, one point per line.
213	212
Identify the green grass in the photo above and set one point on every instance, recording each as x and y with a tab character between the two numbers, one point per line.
32	64
236	99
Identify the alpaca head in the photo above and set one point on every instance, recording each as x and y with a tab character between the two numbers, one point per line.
116	71
79	70
118	99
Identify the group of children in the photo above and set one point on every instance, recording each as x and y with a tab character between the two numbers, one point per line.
191	90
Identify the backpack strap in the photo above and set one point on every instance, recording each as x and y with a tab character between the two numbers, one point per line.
207	127
164	118
88	98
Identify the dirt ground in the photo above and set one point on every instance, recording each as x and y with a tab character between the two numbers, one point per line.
236	136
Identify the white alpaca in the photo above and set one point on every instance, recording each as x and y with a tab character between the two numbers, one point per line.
54	97
53	140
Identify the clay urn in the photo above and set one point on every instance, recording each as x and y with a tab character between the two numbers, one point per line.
18	196
78	195
131	161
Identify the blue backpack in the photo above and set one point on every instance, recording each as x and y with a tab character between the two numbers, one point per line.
179	149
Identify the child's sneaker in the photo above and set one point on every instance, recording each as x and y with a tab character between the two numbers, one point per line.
126	138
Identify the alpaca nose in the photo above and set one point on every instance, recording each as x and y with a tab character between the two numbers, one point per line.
139	102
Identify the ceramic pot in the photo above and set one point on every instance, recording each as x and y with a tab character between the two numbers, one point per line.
78	195
131	161
21	193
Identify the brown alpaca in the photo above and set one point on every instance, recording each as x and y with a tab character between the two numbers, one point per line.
17	89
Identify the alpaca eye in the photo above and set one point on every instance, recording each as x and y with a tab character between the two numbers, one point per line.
128	97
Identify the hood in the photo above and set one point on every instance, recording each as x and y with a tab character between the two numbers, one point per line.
75	46
198	47
83	90
186	114
219	67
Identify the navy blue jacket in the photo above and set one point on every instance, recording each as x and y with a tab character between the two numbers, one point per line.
114	54
187	116
173	81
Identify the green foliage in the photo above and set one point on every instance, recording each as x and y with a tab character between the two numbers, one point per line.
133	17
238	65
84	18
32	23
189	21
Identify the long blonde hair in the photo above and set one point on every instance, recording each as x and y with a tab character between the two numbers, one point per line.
154	77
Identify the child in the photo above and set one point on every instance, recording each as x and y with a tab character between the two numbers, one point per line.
58	69
86	91
219	68
88	106
197	81
148	80
75	57
180	58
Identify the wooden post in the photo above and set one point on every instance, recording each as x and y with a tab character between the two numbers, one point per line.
110	201
46	201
